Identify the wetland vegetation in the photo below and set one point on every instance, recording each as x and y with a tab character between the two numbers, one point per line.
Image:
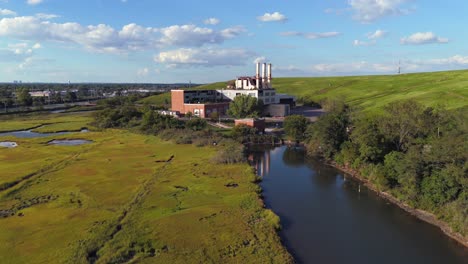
128	196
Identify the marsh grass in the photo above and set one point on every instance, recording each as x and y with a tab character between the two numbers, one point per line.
115	202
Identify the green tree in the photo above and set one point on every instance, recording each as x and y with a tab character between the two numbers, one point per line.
245	106
295	127
196	124
401	123
70	96
243	133
24	98
368	140
327	134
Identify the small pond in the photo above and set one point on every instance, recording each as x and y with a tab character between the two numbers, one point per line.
69	142
31	134
8	144
58	111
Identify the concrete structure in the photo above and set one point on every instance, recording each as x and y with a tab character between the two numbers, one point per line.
204	102
255	82
169	113
40	94
277	110
259	124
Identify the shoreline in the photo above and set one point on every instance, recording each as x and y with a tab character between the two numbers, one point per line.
425	216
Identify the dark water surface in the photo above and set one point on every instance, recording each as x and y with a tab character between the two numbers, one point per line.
326	219
69	142
31	134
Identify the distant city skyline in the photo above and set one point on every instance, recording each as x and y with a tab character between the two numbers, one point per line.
206	41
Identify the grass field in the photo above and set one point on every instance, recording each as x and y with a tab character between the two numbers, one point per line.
448	89
128	198
163	100
52	122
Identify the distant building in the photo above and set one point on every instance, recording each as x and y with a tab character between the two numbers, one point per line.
40	94
259	124
169	113
204	102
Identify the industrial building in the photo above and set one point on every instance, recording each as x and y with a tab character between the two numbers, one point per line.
204	102
259	124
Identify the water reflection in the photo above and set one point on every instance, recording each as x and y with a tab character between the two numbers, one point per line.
31	134
69	142
260	161
326	219
8	144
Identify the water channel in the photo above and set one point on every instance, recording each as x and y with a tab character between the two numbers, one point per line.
32	134
329	218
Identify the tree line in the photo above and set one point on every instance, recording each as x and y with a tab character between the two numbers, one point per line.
416	153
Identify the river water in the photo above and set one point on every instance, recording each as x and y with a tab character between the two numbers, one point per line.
329	218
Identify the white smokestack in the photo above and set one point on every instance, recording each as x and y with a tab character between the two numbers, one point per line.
257	76
263	75
269	73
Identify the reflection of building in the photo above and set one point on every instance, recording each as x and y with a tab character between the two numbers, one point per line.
261	162
204	102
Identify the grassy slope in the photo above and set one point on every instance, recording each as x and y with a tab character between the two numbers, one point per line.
450	89
159	99
181	211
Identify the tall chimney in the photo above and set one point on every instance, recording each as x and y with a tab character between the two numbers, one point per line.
257	76
264	75
269	74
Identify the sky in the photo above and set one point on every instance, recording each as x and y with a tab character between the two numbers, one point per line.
167	41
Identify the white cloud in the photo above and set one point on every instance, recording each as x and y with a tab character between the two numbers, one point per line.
377	34
358	67
207	57
311	35
45	16
7	12
104	38
191	35
454	60
261	59
367	11
365	67
34	2
363	43
143	72
423	38
37	46
212	21
20	48
290	69
232	32
273	17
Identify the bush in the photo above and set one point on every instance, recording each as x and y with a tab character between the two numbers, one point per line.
231	153
196	124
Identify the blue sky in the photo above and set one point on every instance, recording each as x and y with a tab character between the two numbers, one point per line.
206	41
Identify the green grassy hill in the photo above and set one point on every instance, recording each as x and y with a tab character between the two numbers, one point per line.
163	99
449	89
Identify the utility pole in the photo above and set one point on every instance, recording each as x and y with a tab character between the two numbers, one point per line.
399	67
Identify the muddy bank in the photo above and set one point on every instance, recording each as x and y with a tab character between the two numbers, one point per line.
420	214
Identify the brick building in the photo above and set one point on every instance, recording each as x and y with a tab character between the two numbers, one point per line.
200	103
259	124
